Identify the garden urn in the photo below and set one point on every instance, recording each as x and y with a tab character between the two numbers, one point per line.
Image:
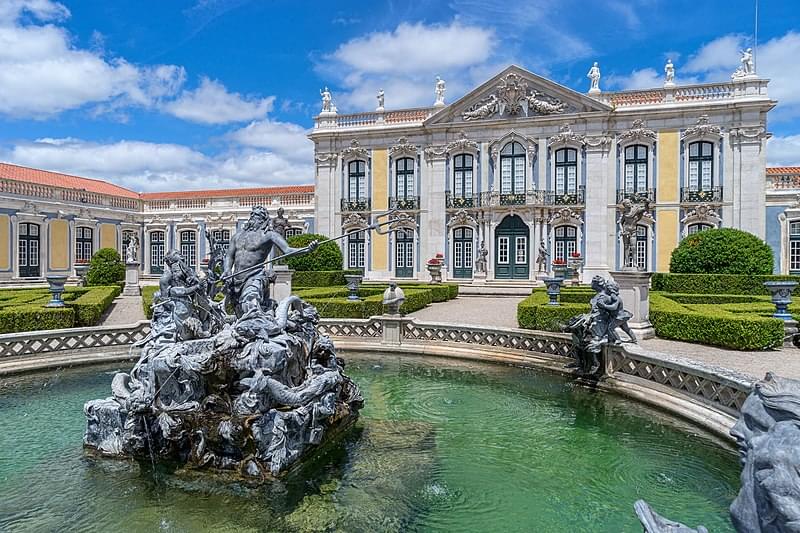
781	292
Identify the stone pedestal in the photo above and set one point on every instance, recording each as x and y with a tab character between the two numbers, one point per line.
479	277
131	279
392	330
634	289
283	282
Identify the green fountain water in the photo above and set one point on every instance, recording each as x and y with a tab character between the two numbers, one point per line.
440	446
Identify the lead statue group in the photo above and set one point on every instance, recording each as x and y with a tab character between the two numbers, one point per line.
245	385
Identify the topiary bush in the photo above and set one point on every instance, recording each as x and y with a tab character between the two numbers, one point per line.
105	268
327	257
714	283
722	251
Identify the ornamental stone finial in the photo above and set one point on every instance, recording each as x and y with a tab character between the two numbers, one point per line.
669	74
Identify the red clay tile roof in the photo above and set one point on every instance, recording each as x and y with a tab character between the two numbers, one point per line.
224	193
783	170
57	179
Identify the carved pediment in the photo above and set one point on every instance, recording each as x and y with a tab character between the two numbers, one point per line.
462	218
355	150
702	128
403	147
638	132
565	215
354	221
516	93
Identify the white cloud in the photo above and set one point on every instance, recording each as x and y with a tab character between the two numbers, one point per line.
211	103
783	151
144	166
404	62
720	54
645	78
284	138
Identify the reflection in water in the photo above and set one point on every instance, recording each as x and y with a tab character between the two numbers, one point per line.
440	446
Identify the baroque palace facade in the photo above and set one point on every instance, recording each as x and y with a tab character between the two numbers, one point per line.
50	222
521	160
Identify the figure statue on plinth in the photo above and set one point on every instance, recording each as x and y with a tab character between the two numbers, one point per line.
481	260
439	90
247	281
747	67
327	101
132	250
280	224
669	74
541	257
629	220
381	95
594	76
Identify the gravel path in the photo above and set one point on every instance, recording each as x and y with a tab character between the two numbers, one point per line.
124	310
502	312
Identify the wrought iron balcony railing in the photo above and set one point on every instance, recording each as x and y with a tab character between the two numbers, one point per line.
691	195
637	196
406	203
461	202
358	204
577	197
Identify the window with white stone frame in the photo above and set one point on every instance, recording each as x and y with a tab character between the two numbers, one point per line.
697	228
356	180
188	247
512	169
566	179
635	168
701	166
84	244
404	178
462	176
794	247
566	242
355	250
641	247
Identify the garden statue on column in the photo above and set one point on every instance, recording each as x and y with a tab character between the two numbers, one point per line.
280	224
629	220
480	261
132	250
768	436
541	258
247	279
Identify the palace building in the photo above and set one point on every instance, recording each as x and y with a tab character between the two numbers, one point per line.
49	222
521	160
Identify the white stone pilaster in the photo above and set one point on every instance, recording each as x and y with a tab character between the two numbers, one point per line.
749	162
432	208
597	226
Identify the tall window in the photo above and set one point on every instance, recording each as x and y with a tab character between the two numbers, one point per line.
636	168
462	176
84	245
404	254
157	245
794	247
28	250
641	247
355	250
222	237
404	177
566	171
356	180
566	242
189	247
697	228
512	169
701	166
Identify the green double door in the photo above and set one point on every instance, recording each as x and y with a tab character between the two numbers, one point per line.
511	249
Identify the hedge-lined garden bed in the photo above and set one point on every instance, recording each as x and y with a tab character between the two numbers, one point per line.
741	322
321	278
23	309
714	283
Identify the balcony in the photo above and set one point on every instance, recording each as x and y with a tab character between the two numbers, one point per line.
461	202
708	196
359	204
494	199
407	203
567	198
646	195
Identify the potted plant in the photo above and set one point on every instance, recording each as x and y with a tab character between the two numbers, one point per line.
434	266
559	268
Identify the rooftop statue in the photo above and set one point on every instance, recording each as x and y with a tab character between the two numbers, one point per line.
439	90
669	74
768	438
249	394
594	76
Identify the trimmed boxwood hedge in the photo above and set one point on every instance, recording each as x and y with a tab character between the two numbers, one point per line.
714	283
23	309
35	318
321	278
722	251
90	306
534	313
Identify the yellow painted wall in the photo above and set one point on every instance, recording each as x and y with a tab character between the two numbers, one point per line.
5	236
59	244
380	202
667	230
108	236
668	162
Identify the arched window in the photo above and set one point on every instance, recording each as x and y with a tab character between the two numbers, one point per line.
462	252
84	245
636	168
189	247
701	166
641	247
356	180
157	244
462	176
404	253
566	242
512	169
794	247
566	171
697	228
404	178
355	250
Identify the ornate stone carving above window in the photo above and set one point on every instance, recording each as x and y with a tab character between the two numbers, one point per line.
565	135
403	147
353	222
329	158
638	132
530	144
704	214
462	144
355	150
512	97
403	221
702	129
565	215
462	218
435	152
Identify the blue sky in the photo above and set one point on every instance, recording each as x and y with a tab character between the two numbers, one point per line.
171	95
